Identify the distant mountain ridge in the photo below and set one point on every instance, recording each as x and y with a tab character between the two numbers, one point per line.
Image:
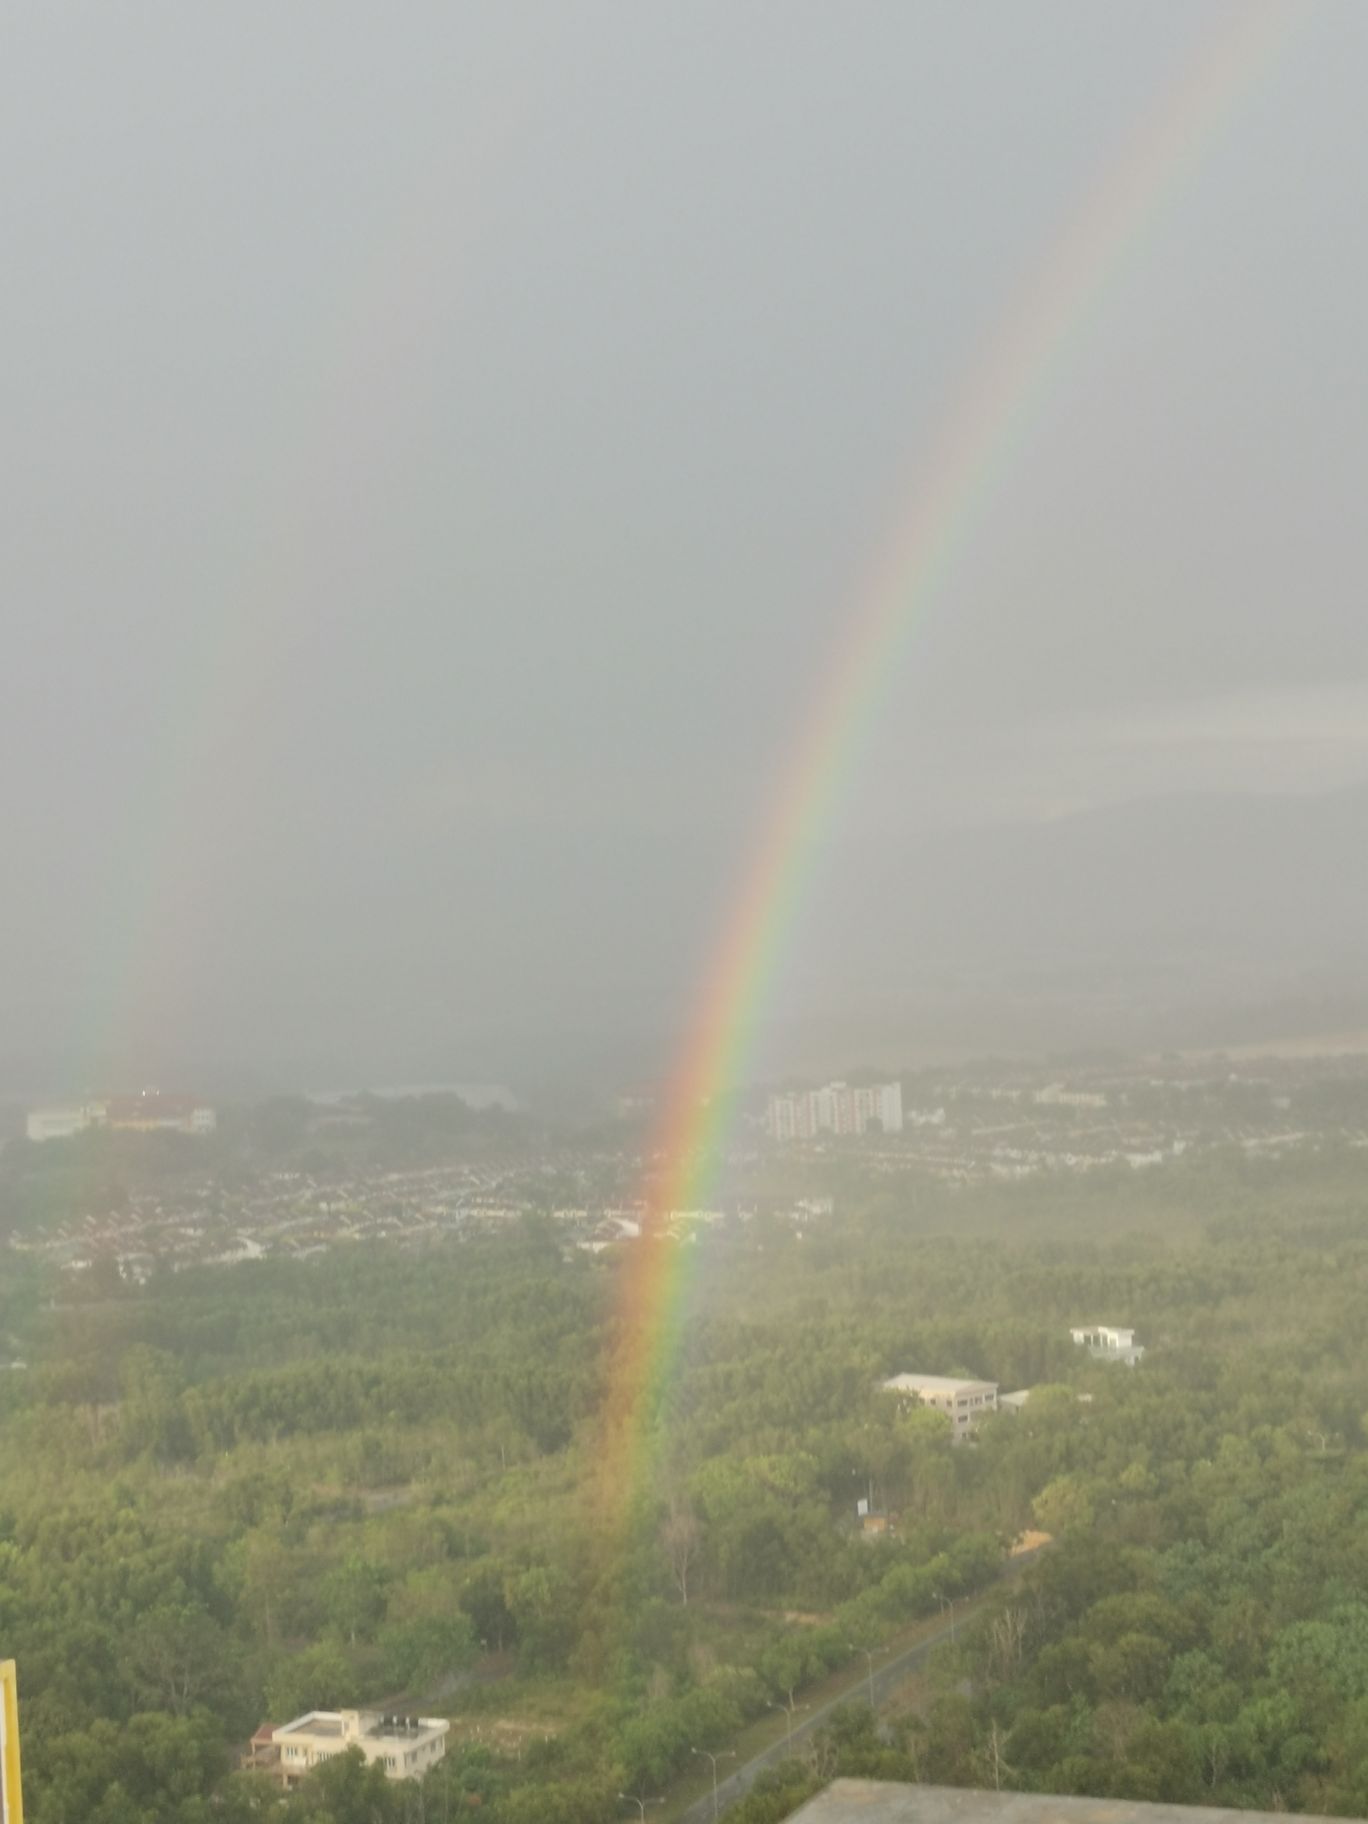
1196	919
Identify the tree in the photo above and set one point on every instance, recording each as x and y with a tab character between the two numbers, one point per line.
1006	1637
484	1601
1063	1506
354	1598
179	1656
542	1603
150	1416
419	1653
319	1678
682	1537
344	1790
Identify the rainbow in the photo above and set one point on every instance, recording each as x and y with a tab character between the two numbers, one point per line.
358	379
982	436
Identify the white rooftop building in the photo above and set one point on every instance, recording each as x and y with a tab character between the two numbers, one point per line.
963	1402
1109	1344
405	1746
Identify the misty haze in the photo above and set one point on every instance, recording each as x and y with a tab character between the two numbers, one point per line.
446	457
684	1019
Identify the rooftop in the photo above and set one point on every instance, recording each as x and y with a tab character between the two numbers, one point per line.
937	1383
317	1722
876	1802
359	1726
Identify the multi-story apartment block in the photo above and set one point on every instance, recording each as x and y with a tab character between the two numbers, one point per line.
837	1108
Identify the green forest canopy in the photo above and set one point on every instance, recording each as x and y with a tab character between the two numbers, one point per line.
244	1492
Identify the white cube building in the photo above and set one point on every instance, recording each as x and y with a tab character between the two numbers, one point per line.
405	1746
1109	1344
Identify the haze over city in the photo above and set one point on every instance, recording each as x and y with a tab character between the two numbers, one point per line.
443	463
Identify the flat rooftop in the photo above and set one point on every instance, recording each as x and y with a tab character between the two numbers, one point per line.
879	1802
937	1383
366	1725
312	1724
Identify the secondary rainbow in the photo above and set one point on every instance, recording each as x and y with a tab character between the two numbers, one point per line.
360	393
978	443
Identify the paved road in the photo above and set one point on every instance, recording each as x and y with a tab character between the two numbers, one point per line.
887	1678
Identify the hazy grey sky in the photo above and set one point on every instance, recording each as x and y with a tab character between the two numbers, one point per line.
443	445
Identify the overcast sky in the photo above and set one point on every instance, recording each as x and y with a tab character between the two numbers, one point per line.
444	444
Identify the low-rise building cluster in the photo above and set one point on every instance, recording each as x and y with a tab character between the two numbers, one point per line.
1010	1121
150	1111
967	1402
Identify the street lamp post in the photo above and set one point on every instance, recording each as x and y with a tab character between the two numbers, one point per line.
634	1798
790	1710
704	1755
869	1662
947	1603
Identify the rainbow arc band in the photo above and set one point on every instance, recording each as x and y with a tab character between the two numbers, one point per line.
11	1798
982	437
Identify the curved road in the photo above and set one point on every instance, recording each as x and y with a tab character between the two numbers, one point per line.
887	1678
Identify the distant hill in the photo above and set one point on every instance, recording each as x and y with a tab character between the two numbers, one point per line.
1200	920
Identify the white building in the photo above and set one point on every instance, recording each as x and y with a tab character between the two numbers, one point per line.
405	1746
1108	1344
61	1122
153	1111
1056	1095
964	1403
837	1108
148	1112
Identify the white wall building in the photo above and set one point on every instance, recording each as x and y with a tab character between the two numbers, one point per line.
148	1112
405	1746
964	1403
836	1108
1109	1344
61	1122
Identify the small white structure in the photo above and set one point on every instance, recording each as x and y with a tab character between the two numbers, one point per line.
963	1402
1108	1344
1013	1402
1057	1095
405	1746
